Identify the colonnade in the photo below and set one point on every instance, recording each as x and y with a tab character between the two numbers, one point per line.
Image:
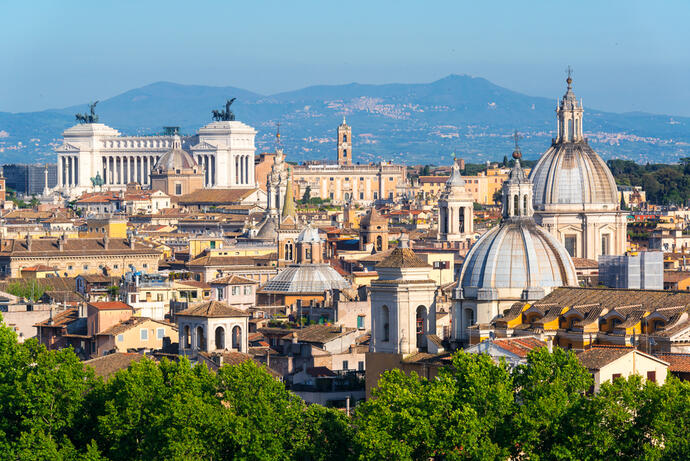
123	169
208	163
242	170
68	170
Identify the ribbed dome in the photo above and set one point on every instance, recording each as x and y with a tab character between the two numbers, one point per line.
267	231
306	278
572	173
516	255
176	159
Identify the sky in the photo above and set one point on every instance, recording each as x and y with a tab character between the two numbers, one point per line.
626	55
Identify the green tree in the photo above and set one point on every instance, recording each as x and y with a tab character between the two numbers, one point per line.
306	197
548	387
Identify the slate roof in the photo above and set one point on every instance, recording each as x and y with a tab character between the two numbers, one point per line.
213	309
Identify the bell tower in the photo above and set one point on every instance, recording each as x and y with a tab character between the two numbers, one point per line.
455	210
344	144
569	115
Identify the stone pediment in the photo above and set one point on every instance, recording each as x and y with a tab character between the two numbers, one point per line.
203	146
67	147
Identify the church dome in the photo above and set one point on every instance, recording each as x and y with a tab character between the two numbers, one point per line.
306	279
267	229
572	173
516	256
309	235
517	259
176	159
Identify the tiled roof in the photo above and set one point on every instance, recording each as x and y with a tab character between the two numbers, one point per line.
402	258
129	324
598	357
679	363
233	280
215	196
61	318
520	346
213	309
110	305
320	372
108	365
584	263
675	276
193	283
72	247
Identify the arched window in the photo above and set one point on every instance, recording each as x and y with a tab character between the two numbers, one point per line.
347	196
461	220
385	317
288	250
570	129
200	339
469	317
220	338
307	254
237	338
421	326
379	243
187	337
524	205
344	138
516	205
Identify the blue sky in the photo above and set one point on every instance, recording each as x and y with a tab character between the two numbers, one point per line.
631	55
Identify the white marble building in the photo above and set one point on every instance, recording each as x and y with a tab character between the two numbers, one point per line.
224	149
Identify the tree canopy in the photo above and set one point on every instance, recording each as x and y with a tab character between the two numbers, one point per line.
54	407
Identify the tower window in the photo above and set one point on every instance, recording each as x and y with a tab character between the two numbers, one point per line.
385	330
516	205
344	152
344	137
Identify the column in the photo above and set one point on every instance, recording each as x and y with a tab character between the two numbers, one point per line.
76	170
237	171
60	182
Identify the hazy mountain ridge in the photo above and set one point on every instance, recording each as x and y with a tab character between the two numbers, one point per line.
414	123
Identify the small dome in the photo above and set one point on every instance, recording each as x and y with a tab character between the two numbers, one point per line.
455	179
518	255
309	235
306	278
176	159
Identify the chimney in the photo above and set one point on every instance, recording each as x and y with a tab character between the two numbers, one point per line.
549	344
50	319
106	240
130	241
61	242
28	241
268	358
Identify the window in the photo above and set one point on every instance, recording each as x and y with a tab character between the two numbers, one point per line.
571	244
345	365
615	376
159	297
331	178
120	338
344	152
651	376
235	291
247	290
385	317
376	195
69	268
116	266
160	333
360	365
344	138
605	239
86	266
332	195
361	178
144	265
361	195
360	322
144	334
220	293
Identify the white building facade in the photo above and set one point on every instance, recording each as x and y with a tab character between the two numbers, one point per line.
224	149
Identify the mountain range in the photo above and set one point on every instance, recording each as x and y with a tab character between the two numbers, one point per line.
409	123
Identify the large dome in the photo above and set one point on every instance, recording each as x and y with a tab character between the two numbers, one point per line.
518	258
572	173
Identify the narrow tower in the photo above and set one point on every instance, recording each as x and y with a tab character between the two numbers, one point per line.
344	144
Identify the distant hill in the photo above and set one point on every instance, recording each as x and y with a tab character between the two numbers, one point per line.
411	123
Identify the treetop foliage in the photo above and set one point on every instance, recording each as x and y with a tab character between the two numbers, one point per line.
54	407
